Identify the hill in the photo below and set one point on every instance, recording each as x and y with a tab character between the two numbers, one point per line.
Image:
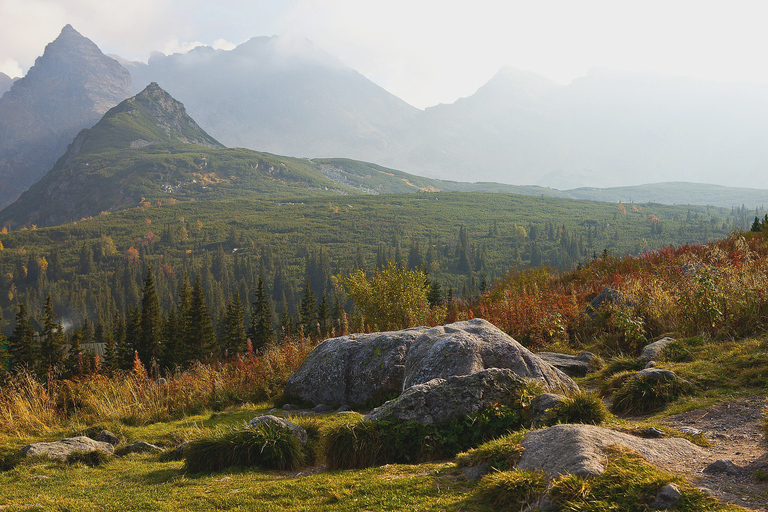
69	88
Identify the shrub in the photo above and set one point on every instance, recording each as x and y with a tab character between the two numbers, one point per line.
90	458
644	394
370	443
511	490
582	407
677	352
501	454
266	447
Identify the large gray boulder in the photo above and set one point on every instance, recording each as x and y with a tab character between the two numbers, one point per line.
60	449
580	449
353	369
464	348
282	424
441	400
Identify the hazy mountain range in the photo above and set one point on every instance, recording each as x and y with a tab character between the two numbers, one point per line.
605	130
5	82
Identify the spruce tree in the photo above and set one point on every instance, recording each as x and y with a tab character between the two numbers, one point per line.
261	332
234	327
22	343
149	338
324	316
75	355
5	353
51	339
200	343
307	313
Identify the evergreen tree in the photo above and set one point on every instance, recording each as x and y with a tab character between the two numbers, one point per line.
5	352
22	343
324	316
307	317
51	339
435	295
111	360
337	312
132	333
75	357
150	335
234	329
171	341
200	341
261	331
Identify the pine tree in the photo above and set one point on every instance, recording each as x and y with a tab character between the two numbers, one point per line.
51	339
75	356
5	353
307	317
261	332
150	336
132	333
234	329
324	316
200	341
22	343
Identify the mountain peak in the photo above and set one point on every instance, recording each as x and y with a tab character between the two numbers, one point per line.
151	117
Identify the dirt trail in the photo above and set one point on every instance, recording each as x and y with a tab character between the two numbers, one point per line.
735	429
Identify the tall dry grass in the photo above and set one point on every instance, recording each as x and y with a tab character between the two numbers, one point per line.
28	406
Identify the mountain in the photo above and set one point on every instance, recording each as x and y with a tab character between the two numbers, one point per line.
283	96
5	83
69	88
607	129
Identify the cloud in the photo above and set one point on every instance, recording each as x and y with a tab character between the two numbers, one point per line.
11	68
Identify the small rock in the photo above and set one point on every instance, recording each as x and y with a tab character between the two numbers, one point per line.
658	374
108	437
287	407
652	351
142	447
540	406
323	408
161	381
723	466
475	472
60	449
181	450
690	430
281	423
653	432
343	408
39	477
668	496
345	413
272	411
651	364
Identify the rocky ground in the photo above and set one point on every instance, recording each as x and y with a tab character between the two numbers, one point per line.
735	430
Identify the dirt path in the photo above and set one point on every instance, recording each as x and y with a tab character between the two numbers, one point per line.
735	429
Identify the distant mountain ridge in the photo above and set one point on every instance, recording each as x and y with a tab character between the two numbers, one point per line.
5	83
69	88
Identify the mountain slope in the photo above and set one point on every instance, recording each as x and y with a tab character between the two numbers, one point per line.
69	88
283	96
5	83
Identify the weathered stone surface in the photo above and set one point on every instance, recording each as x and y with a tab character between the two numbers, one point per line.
667	497
142	447
540	405
323	408
573	366
353	369
105	436
658	374
608	296
280	423
60	449
464	348
476	472
652	351
441	400
580	449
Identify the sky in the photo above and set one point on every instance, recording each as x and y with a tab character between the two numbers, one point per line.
423	51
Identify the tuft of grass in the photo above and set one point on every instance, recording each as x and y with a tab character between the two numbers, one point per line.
511	490
501	454
581	407
266	447
641	395
353	445
90	458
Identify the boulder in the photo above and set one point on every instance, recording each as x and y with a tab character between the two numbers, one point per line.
60	449
652	351
441	400
353	369
105	436
723	466
667	497
283	424
573	366
580	449
659	374
464	348
608	296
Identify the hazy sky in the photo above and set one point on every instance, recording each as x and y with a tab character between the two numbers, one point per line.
424	51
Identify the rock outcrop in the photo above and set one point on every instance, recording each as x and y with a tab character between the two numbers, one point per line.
353	369
573	366
580	449
60	449
441	400
463	348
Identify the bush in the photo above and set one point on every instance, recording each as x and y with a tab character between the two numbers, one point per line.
641	395
266	447
582	407
501	454
363	443
511	490
91	458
